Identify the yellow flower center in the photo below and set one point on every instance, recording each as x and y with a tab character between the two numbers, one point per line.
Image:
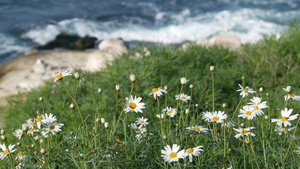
154	90
20	154
17	162
248	113
51	127
190	150
90	146
30	124
38	119
284	118
142	122
90	133
132	105
20	133
284	130
59	76
255	107
173	155
31	130
225	121
183	98
196	128
215	118
245	90
169	112
244	132
143	134
5	152
54	123
136	129
117	140
291	95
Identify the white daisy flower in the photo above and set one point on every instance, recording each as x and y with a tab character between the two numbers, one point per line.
31	130
243	132
244	92
61	74
136	128
30	123
41	163
258	105
142	134
198	129
247	112
171	154
48	118
19	166
193	152
227	123
291	96
44	135
216	116
183	97
6	151
142	121
284	130
183	80
53	127
134	105
171	111
287	89
157	92
286	118
38	121
161	116
20	156
18	133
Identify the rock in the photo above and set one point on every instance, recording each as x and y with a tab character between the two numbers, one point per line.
112	46
73	42
39	66
227	40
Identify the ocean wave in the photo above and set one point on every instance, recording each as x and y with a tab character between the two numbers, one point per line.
249	24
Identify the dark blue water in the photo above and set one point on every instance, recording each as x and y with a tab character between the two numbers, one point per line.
25	24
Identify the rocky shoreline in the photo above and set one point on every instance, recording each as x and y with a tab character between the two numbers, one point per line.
32	68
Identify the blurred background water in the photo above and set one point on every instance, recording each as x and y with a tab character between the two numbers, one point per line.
25	24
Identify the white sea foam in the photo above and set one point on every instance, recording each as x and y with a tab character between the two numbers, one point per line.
249	24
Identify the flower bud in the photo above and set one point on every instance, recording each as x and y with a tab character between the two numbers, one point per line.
97	120
43	151
166	88
132	78
177	124
38	113
71	133
72	106
211	68
41	99
3	138
24	127
191	86
186	111
278	108
27	146
165	137
280	134
266	117
183	81
32	145
13	129
224	106
243	77
102	120
18	144
76	74
267	94
106	125
2	132
185	165
117	88
196	105
288	89
99	91
242	125
261	90
247	141
35	152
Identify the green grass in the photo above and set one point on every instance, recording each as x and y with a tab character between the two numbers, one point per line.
271	63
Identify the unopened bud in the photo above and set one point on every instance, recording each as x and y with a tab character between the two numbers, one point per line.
242	125
288	89
35	152
165	137
211	68
185	165
177	124
191	86
186	111
280	134
224	106
43	151
2	132
99	91
106	125
71	133
196	105
13	129
247	141
229	149
94	151
132	78
278	108
117	88
261	90
27	146
18	144
243	77
267	94
32	145
102	120
266	117
76	74
3	138
97	120
72	106
166	88
38	113
41	99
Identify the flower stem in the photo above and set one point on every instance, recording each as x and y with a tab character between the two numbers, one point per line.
213	90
